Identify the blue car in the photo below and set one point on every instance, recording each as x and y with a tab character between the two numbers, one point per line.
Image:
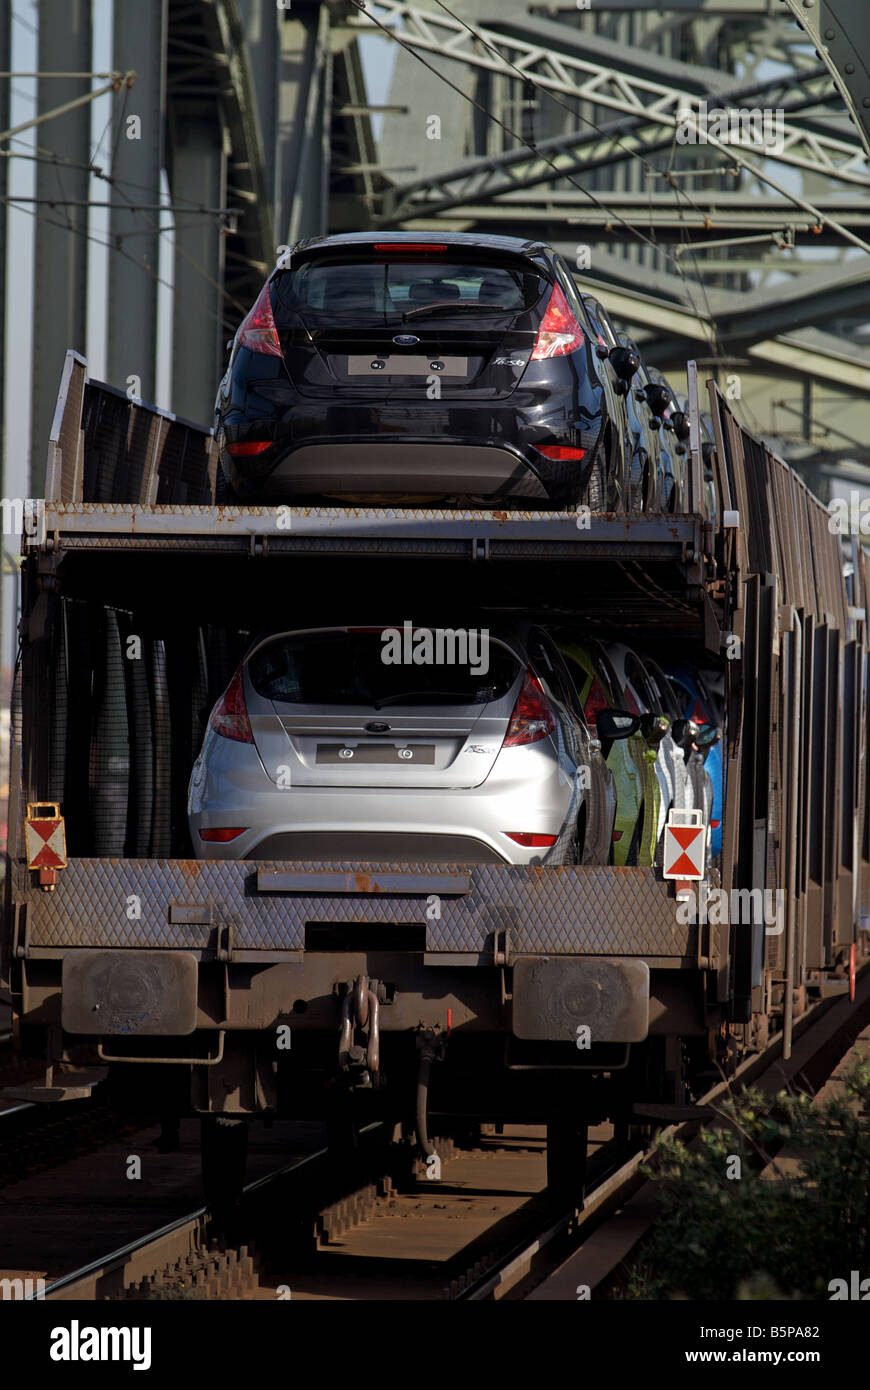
701	704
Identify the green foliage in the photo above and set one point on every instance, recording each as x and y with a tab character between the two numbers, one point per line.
748	1237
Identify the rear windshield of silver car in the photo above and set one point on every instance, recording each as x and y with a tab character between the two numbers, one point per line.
380	666
373	287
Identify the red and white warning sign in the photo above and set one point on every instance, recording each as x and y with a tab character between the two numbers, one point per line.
45	836
684	841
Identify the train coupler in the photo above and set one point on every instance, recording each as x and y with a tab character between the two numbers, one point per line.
360	1016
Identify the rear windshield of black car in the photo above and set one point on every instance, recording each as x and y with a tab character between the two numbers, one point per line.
378	286
360	668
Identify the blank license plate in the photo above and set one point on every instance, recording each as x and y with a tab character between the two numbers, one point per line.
375	753
406	366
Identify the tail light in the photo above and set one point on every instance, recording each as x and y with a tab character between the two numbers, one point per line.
223	834
699	714
258	332
560	452
247	447
531	841
532	717
596	700
229	718
559	333
410	246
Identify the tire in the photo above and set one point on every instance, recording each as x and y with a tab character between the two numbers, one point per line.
581	836
596	490
224	496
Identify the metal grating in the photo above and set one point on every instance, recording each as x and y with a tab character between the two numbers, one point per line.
563	911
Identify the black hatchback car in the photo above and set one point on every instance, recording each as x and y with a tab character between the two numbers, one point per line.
404	367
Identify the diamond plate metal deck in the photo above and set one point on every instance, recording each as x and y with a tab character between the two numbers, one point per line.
371	531
586	911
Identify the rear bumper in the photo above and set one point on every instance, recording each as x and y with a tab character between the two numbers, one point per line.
365	466
375	466
522	792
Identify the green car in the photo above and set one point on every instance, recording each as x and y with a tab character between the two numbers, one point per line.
631	760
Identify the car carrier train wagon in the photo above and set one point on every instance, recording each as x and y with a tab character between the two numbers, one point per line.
435	994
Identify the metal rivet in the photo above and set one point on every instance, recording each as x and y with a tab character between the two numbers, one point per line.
850	68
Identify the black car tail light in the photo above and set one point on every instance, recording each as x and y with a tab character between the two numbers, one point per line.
561	453
414	246
257	331
559	333
245	448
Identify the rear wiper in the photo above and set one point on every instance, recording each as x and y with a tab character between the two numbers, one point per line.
431	694
454	305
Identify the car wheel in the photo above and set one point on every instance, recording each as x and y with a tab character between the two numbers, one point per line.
581	836
224	496
596	490
637	485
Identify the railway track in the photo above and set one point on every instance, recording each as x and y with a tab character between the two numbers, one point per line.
486	1231
34	1139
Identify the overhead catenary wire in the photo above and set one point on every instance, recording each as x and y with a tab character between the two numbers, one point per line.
728	150
515	135
119	79
545	91
119	251
42	155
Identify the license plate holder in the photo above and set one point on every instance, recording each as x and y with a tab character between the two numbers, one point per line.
384	755
404	365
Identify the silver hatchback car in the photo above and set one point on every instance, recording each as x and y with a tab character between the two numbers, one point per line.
377	744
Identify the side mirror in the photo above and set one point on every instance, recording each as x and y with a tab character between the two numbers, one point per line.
612	724
680	422
658	398
706	737
654	727
685	733
624	362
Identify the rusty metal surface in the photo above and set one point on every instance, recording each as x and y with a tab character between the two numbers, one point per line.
594	911
381	530
551	997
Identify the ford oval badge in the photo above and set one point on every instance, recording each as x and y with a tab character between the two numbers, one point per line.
405	339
